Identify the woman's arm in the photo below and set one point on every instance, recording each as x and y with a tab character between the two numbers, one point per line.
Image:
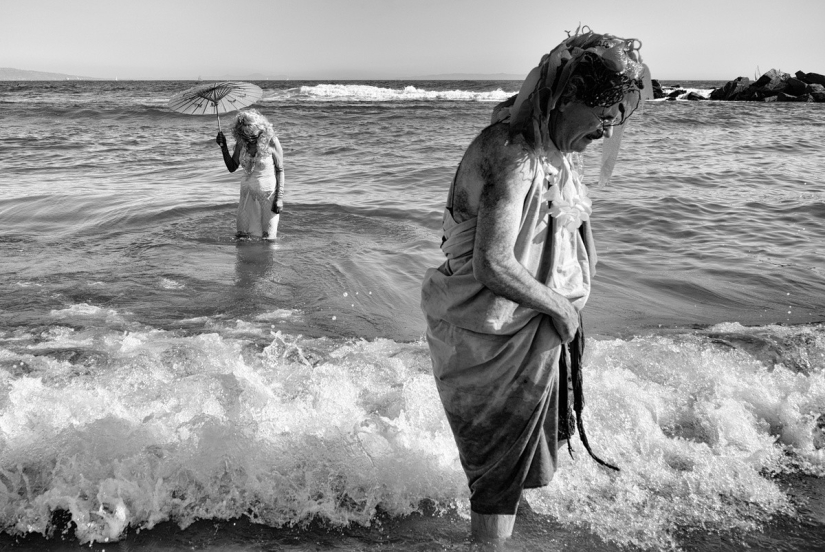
590	245
278	159
506	184
232	161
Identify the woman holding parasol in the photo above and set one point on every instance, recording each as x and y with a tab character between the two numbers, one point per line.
258	152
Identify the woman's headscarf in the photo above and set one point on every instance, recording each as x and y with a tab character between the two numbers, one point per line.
628	84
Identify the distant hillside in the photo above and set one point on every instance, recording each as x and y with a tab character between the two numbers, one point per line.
11	74
7	73
249	77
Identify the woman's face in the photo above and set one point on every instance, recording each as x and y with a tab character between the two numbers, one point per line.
574	125
250	134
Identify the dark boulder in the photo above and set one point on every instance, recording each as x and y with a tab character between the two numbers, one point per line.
771	87
693	96
795	87
772	79
752	94
817	92
657	90
731	90
815	78
772	83
785	97
676	93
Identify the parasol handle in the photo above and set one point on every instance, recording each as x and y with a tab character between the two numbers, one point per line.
219	118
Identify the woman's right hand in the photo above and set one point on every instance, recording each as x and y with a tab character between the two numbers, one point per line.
220	139
566	322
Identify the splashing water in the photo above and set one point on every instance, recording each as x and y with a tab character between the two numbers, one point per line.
135	428
698	429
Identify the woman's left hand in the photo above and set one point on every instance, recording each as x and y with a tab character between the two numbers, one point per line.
277	207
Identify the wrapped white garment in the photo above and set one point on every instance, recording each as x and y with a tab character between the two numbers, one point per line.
255	216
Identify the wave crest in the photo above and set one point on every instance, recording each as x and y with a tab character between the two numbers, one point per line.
114	429
368	93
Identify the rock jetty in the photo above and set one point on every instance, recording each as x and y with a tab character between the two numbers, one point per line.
677	93
773	86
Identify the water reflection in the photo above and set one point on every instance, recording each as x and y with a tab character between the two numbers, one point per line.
260	277
255	261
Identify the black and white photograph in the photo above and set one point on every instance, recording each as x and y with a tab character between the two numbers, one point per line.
412	276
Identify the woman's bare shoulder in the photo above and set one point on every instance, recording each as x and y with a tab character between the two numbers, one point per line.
494	147
492	160
499	157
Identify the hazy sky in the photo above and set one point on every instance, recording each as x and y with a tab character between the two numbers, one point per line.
362	39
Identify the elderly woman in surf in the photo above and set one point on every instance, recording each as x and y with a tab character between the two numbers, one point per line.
503	311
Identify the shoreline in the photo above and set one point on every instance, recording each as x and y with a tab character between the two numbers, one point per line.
448	530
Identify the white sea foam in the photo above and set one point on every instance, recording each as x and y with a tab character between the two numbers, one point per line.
168	283
367	93
85	310
693	426
146	426
703	92
278	315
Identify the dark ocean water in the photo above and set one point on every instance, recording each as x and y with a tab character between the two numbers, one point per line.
157	374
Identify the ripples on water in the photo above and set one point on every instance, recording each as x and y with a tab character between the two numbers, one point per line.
288	381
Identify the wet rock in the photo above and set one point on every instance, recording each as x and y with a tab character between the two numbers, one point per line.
817	92
657	90
815	78
784	97
774	86
795	87
676	93
693	96
772	80
752	94
731	90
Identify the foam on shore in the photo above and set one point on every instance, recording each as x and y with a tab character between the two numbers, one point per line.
133	428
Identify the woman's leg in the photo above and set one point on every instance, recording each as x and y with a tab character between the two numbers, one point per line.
493	527
271	230
269	220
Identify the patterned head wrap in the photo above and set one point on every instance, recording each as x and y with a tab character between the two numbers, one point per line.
596	69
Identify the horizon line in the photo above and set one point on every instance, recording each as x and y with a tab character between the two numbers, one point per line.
284	78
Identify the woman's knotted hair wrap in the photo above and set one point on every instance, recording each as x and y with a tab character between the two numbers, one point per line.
596	69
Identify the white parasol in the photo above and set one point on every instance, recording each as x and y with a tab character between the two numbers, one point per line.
217	98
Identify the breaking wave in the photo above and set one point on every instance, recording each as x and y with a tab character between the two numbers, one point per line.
115	429
368	93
